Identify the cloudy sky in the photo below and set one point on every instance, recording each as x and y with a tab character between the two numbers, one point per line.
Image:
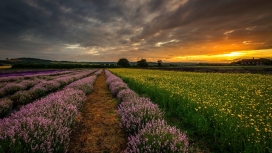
107	30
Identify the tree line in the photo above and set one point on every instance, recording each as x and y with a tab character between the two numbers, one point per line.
123	62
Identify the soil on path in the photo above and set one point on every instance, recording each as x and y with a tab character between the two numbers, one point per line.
98	130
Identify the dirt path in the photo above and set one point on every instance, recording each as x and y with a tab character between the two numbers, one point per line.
98	130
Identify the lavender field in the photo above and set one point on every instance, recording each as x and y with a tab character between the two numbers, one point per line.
38	110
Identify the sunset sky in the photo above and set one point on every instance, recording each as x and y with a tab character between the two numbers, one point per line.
107	30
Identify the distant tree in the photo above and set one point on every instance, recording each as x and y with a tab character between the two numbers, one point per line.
159	63
7	59
123	62
142	63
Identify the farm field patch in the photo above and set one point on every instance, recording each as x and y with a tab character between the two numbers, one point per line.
5	67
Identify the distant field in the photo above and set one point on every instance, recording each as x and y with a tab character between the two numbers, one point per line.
222	69
232	111
5	67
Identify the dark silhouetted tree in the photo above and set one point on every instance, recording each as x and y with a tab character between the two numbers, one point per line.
142	63
159	63
123	62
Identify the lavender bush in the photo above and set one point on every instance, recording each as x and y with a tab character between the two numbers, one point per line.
127	95
3	84
10	78
65	80
97	73
27	84
84	84
5	106
117	86
136	113
115	83
10	89
38	90
50	86
22	97
157	136
111	78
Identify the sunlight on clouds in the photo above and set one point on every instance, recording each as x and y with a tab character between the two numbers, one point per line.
173	5
93	50
92	20
74	46
228	32
251	28
166	42
246	42
136	44
77	48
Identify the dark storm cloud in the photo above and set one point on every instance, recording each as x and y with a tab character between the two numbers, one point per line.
215	18
112	28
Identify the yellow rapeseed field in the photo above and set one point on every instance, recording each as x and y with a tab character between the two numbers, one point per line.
237	107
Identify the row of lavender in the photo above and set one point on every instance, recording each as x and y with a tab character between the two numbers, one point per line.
25	72
10	85
143	121
30	75
45	125
41	88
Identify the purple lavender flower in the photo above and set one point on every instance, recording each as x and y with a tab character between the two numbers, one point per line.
10	89
97	73
127	95
157	136
135	114
117	86
10	78
84	84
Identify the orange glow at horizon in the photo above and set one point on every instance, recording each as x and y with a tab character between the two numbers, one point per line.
226	57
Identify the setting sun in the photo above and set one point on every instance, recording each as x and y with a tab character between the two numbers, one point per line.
234	54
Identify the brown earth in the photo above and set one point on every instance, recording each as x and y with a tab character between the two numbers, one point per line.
98	130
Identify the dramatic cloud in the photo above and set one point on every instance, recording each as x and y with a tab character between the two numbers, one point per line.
106	30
